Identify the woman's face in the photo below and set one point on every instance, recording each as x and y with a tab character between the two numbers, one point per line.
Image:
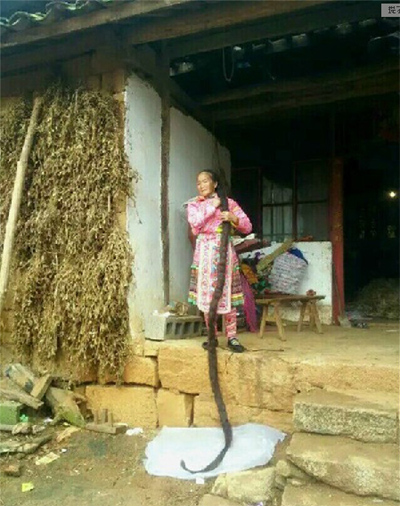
205	185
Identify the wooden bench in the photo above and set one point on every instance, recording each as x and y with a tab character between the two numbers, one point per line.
308	304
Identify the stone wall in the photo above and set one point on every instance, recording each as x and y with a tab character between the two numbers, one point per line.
166	383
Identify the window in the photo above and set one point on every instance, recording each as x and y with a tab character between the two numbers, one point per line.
297	205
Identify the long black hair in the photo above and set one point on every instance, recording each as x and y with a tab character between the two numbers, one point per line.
212	338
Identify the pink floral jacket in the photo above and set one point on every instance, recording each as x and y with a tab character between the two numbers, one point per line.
204	218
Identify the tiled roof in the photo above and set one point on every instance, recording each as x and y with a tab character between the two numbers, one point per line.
55	10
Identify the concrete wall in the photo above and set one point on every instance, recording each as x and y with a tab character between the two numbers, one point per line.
318	276
193	149
143	147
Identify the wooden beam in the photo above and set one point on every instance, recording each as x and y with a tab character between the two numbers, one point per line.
372	80
215	15
305	20
63	49
303	85
119	12
165	152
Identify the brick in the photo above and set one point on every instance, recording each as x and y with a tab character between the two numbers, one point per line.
206	415
162	327
174	408
134	405
10	412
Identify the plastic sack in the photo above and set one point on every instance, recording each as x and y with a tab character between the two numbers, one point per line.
253	445
287	273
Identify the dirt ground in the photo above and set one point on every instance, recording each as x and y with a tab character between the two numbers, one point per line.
95	470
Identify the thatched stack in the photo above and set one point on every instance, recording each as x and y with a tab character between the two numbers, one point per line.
72	262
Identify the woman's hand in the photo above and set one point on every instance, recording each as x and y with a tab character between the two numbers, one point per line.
228	216
216	202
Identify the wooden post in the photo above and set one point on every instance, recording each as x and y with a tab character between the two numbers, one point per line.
16	201
165	151
336	236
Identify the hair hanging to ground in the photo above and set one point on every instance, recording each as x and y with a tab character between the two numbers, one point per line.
72	261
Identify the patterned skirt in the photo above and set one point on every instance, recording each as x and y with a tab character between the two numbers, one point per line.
203	279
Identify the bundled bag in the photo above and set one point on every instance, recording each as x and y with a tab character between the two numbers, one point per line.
287	273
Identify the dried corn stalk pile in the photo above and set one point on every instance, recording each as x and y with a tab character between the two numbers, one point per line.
72	260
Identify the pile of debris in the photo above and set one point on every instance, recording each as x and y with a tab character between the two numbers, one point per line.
26	401
380	299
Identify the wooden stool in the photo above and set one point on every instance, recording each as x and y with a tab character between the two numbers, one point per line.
308	305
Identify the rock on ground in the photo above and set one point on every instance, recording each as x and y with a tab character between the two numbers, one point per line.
323	495
247	486
352	466
367	416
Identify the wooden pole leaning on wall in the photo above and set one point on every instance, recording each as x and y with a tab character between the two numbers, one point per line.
165	159
16	202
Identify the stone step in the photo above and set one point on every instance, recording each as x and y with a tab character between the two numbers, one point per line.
352	466
367	416
317	494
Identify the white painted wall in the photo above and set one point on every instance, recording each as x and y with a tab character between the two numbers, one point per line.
192	149
318	276
143	147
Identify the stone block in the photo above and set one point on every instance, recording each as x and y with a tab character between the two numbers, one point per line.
206	415
174	408
248	486
261	381
351	466
288	470
367	416
318	494
141	370
10	411
137	345
333	375
183	366
134	405
138	370
151	348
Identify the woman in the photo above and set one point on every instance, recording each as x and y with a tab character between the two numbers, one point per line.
205	218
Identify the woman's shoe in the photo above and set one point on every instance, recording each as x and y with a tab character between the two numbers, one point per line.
234	345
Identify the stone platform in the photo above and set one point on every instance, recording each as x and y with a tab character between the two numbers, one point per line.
166	383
